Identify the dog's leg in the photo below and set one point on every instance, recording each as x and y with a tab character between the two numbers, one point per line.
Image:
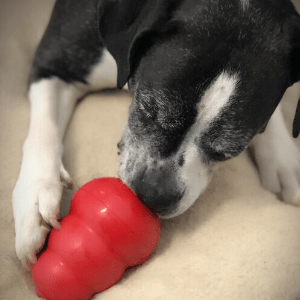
70	62
37	194
278	159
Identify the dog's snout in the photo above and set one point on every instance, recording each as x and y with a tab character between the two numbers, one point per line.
158	191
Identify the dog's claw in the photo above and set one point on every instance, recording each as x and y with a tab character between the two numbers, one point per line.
55	224
27	265
33	258
29	262
68	185
66	179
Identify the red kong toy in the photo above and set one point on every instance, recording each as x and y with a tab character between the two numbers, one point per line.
107	230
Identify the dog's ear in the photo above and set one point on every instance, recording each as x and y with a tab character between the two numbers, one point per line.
123	24
295	48
295	65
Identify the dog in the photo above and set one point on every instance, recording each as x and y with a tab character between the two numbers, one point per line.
206	79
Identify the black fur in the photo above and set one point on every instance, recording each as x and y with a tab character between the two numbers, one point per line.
295	66
123	26
71	44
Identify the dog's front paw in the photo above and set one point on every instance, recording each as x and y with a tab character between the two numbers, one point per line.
36	205
279	166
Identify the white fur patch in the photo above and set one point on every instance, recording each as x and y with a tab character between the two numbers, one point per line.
195	176
52	100
216	97
278	159
104	73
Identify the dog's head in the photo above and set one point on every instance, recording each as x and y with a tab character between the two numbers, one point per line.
205	77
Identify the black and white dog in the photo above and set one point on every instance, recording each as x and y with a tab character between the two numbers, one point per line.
205	76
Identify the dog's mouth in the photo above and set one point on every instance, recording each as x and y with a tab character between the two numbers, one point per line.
168	214
165	210
154	182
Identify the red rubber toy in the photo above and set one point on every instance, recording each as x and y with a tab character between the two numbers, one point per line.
107	230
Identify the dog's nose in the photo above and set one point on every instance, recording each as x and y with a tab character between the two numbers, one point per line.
158	191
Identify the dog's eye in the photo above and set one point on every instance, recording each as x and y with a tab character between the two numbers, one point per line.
165	119
169	124
146	111
218	156
168	121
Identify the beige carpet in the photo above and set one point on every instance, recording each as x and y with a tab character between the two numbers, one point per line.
239	242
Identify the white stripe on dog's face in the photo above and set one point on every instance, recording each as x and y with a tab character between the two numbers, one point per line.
195	174
216	98
192	177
